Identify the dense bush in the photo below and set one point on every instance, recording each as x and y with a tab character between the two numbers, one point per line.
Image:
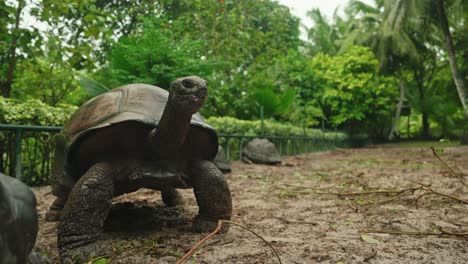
33	112
233	126
37	147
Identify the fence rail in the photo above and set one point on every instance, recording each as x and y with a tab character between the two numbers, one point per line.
26	152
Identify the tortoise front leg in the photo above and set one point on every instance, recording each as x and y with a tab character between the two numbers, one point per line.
83	216
212	195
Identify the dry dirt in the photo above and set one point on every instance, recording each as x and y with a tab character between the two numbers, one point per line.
296	208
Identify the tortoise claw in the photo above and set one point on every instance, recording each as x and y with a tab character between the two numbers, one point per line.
201	225
82	254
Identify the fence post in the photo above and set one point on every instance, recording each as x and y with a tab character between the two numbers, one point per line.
227	149
262	124
18	165
240	148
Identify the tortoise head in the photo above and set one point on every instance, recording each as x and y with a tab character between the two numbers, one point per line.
188	93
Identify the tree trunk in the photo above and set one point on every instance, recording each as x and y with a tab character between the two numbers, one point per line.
5	86
425	126
396	121
457	78
422	101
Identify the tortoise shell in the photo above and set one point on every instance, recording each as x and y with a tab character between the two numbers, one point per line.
134	102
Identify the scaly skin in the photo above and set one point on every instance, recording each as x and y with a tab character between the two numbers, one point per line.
84	213
90	200
212	194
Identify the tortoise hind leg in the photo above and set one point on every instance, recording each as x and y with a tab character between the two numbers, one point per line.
212	195
84	213
61	181
171	197
55	210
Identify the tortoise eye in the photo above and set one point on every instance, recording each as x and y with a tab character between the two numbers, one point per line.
188	83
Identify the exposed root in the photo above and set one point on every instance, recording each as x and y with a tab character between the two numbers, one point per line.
218	228
192	250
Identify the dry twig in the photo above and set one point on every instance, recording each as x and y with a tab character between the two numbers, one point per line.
414	233
353	193
295	222
429	191
352	205
448	167
218	228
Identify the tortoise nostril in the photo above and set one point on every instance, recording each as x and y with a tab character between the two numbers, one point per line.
188	83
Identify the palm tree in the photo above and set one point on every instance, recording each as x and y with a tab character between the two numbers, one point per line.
444	26
325	36
391	30
382	30
404	12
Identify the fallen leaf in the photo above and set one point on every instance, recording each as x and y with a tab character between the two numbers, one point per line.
369	239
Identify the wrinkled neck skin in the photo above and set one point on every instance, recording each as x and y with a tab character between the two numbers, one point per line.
167	139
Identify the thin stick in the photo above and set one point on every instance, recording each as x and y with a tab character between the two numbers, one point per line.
266	242
447	195
218	228
448	167
372	192
350	204
295	222
431	191
414	233
192	250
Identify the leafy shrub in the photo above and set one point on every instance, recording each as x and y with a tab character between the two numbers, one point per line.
315	140
37	147
34	112
233	126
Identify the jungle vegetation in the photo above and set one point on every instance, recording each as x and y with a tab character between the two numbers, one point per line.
362	72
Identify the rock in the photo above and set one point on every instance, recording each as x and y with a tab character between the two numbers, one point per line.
221	161
261	151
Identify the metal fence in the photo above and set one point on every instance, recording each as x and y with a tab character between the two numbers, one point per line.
26	152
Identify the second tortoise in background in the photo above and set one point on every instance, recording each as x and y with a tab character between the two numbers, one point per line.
261	151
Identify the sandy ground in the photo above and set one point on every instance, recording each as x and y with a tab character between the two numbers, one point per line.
296	207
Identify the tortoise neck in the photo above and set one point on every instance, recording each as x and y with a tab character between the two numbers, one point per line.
167	139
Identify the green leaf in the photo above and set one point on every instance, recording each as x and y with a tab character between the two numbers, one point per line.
92	87
98	260
369	239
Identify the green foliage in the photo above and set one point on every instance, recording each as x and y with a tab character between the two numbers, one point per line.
92	87
34	112
350	91
98	260
247	36
154	56
233	126
250	53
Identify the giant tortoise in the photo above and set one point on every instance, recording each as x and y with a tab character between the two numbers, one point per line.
135	136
